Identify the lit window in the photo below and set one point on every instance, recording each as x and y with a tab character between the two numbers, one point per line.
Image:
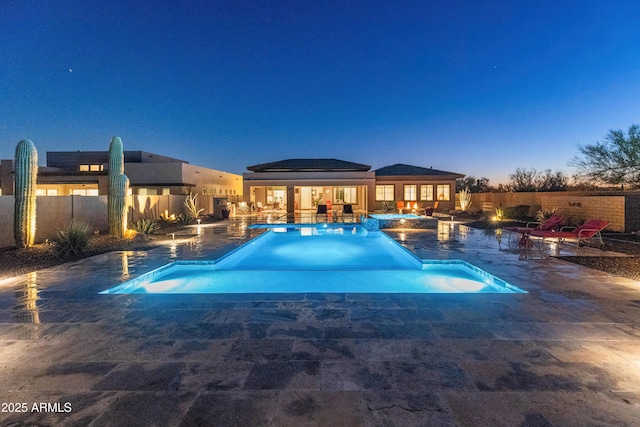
443	192
92	192
84	168
77	192
40	192
426	192
95	168
345	195
385	193
166	191
53	192
410	192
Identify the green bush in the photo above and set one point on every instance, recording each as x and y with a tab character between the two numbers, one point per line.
542	216
73	240
184	219
520	212
146	226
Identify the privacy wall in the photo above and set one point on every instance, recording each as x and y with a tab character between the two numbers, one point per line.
622	210
54	212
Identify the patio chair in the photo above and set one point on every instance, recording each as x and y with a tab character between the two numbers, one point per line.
549	224
582	235
347	210
322	210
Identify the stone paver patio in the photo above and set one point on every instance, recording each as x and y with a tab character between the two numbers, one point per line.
566	353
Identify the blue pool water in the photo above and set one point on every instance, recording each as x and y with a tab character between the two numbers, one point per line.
395	216
317	258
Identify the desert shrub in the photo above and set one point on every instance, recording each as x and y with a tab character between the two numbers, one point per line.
146	226
576	221
499	213
184	219
72	240
542	216
520	212
465	199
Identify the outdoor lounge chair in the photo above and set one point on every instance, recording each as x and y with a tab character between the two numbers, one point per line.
347	210
549	224
322	210
582	235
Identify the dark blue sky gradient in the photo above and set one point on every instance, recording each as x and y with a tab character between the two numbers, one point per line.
475	87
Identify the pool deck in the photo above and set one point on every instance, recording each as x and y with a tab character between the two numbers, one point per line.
566	353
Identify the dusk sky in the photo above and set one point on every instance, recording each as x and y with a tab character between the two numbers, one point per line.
473	87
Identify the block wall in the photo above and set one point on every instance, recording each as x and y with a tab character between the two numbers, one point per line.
54	212
622	210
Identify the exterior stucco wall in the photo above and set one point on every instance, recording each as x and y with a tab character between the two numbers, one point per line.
54	212
309	179
399	183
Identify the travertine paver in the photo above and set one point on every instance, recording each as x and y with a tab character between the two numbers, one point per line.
565	353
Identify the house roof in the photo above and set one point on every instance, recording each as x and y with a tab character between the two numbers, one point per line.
400	169
309	165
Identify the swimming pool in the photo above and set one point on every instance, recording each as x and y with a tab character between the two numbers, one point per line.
317	258
404	221
395	216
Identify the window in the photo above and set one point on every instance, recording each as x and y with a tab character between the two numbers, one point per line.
426	192
147	191
384	193
91	168
166	191
443	191
345	195
410	192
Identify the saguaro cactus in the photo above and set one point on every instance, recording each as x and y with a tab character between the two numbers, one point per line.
118	187
26	175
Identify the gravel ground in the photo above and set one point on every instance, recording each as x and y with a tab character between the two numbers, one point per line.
15	261
628	267
19	261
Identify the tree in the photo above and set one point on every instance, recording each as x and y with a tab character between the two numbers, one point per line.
552	181
523	180
472	184
614	161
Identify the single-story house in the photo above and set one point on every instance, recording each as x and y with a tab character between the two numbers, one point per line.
302	184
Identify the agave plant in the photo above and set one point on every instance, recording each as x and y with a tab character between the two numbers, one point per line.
73	240
184	219
146	226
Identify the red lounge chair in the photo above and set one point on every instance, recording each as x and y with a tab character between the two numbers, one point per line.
549	224
581	235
